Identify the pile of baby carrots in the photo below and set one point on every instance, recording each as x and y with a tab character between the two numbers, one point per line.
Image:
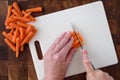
19	31
76	43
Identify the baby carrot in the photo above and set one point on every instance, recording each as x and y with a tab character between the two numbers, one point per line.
11	45
29	28
37	9
9	20
80	37
21	34
9	11
15	35
15	12
7	36
17	46
22	24
27	38
23	19
26	15
21	48
29	16
15	5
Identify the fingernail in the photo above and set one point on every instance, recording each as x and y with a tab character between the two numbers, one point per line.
84	51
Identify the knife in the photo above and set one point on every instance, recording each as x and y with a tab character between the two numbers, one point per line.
75	31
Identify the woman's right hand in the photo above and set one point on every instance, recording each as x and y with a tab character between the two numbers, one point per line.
91	73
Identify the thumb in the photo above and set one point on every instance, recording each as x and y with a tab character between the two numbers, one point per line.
86	62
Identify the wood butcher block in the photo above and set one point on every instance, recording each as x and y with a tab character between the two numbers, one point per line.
90	20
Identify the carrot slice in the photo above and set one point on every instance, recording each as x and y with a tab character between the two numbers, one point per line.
11	45
15	12
15	5
37	9
9	11
23	19
17	46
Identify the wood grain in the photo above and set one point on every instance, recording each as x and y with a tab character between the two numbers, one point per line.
23	68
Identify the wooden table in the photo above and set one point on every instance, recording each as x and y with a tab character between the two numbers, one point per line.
22	68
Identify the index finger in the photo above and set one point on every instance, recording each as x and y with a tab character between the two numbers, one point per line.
88	66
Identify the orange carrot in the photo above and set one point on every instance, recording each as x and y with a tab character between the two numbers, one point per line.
7	36
21	34
15	35
80	37
29	16
15	12
23	19
11	45
75	43
15	5
29	28
9	11
13	25
27	38
17	46
21	48
22	24
9	20
37	9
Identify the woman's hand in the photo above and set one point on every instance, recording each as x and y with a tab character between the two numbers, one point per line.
91	73
58	57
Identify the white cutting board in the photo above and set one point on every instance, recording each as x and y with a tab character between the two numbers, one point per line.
90	20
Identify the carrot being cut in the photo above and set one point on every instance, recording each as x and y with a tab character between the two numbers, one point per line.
80	37
23	19
15	5
37	9
9	11
11	45
15	12
17	46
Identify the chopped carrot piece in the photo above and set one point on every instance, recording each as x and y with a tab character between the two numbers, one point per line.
15	5
17	46
10	44
37	9
80	37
